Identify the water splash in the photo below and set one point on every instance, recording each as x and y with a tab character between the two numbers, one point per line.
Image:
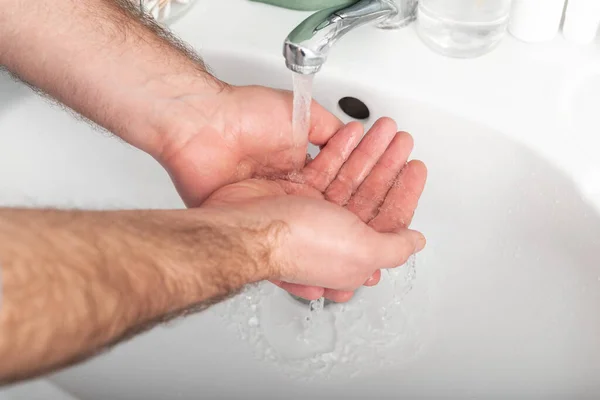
301	112
315	309
316	306
384	326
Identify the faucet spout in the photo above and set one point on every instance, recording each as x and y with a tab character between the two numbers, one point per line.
307	46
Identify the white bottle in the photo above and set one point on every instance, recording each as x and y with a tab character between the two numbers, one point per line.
536	20
582	19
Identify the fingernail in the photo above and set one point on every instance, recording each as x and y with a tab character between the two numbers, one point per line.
420	242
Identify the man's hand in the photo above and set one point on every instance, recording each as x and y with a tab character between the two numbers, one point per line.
370	178
241	133
76	281
312	241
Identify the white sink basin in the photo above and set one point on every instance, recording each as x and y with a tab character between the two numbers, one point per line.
511	270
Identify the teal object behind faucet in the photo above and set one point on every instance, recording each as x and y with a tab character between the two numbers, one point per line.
307	5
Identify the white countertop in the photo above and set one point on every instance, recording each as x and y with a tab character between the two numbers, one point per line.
541	95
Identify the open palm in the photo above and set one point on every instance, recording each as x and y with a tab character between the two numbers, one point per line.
370	178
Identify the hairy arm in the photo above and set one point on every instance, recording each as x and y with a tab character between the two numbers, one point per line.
106	61
75	282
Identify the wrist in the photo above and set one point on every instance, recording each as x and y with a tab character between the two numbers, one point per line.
184	109
201	149
246	242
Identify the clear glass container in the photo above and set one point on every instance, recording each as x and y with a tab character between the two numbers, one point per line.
462	28
165	11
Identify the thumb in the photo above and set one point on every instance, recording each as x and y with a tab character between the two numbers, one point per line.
323	125
391	250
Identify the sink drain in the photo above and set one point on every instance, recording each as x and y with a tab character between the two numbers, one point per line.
354	108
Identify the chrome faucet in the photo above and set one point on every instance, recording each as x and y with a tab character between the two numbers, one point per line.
307	46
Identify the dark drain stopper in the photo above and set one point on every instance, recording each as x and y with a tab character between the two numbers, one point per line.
354	108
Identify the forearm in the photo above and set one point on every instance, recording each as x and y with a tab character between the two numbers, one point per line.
75	282
105	61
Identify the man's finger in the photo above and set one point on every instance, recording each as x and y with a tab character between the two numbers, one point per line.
306	292
374	279
320	172
323	125
390	250
361	162
399	206
338	296
372	192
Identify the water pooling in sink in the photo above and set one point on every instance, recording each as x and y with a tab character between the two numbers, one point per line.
340	340
329	339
